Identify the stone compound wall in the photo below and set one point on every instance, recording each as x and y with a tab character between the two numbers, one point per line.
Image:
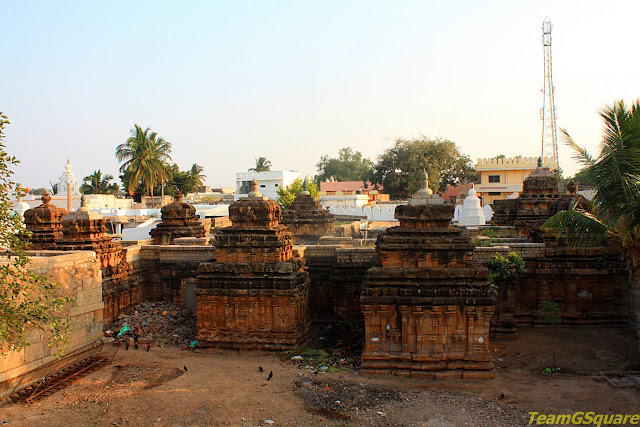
80	277
590	284
337	273
168	272
122	292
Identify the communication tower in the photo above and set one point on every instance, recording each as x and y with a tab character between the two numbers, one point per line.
548	110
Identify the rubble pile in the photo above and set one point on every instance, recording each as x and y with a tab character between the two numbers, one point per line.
158	323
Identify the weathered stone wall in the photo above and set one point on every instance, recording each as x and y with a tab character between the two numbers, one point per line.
165	268
589	284
122	292
337	274
80	277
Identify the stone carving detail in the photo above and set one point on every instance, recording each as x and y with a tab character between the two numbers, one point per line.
256	294
45	224
178	220
427	305
307	219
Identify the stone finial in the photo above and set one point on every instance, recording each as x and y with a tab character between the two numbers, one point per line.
539	162
46	198
177	197
83	204
572	187
305	189
424	183
254	189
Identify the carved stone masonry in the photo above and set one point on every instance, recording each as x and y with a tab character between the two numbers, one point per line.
307	219
178	220
45	224
427	305
256	294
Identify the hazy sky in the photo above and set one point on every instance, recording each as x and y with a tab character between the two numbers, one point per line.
227	82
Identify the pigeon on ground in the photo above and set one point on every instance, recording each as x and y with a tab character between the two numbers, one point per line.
260	369
270	375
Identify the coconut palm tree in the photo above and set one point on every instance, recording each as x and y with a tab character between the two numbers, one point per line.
197	175
145	157
262	165
615	174
96	183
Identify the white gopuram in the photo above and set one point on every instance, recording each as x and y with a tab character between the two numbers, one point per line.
471	213
20	206
68	178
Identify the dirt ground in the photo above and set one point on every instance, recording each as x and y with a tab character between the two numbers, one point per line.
227	388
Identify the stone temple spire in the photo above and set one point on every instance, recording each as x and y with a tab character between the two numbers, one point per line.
305	189
255	193
68	178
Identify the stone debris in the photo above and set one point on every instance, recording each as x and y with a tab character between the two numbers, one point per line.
158	323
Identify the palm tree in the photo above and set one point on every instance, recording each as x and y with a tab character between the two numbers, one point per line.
615	175
197	175
145	157
262	165
54	187
96	183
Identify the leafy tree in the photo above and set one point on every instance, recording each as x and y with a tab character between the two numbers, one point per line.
145	157
549	312
38	191
398	169
196	175
96	183
615	177
54	187
348	166
262	165
286	195
185	181
27	301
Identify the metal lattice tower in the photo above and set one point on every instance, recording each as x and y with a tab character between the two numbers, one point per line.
548	110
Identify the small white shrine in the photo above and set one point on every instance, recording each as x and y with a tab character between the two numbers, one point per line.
19	206
66	178
471	212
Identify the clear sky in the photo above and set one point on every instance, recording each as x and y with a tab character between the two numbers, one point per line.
229	81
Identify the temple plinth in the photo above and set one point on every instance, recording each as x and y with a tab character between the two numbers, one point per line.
427	305
307	219
256	294
178	220
45	224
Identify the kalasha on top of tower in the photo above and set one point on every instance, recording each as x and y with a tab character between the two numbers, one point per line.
255	210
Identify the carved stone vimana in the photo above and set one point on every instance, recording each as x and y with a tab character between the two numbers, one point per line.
256	294
307	219
178	220
427	305
45	224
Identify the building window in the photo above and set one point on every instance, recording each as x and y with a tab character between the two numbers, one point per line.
262	186
245	187
276	185
494	178
494	193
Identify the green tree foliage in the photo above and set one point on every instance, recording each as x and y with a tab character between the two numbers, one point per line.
185	181
511	267
54	187
144	156
262	165
398	169
348	166
96	183
38	191
286	195
615	176
28	302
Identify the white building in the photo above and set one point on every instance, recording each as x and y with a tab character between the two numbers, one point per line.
68	177
268	182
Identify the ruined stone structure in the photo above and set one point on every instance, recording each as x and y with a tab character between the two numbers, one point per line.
256	294
307	219
178	220
45	224
427	306
84	230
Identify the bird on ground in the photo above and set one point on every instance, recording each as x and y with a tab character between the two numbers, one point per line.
185	368
148	347
260	369
270	375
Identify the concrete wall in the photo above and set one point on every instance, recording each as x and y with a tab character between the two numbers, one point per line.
80	277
